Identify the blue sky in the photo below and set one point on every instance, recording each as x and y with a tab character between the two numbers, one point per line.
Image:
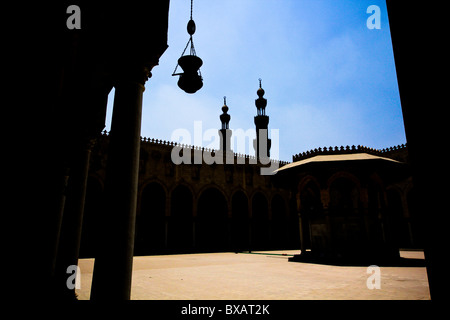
328	79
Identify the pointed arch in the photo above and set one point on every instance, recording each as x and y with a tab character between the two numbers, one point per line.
150	181
151	219
212	221
240	221
279	222
345	190
310	203
344	174
348	233
213	186
180	227
306	180
260	222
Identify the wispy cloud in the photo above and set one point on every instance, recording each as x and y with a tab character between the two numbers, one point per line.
328	79
168	108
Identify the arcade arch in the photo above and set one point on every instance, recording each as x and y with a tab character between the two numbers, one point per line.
240	221
212	221
260	235
180	228
151	220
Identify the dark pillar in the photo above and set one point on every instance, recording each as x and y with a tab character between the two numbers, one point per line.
114	263
56	230
418	64
69	244
300	225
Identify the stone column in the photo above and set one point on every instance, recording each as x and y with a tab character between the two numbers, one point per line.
300	225
114	262
62	188
69	245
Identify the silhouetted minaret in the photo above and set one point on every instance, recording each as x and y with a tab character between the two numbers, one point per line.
225	132
261	122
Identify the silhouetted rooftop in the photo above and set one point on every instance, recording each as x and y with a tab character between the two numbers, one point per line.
337	157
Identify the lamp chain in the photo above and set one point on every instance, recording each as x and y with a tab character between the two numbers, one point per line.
191	41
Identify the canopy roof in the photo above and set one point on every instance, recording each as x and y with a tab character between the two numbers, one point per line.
336	157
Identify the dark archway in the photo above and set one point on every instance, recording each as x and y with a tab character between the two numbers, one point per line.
91	218
180	234
412	198
293	226
212	229
313	219
311	205
347	225
279	223
376	214
344	198
240	222
151	220
260	222
398	224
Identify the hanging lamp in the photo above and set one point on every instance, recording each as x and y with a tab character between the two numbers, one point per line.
191	80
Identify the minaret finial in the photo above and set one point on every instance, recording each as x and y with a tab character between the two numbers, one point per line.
225	107
225	117
260	92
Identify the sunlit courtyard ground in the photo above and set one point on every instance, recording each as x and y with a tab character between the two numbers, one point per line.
261	276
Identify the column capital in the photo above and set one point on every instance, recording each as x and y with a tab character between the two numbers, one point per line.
132	73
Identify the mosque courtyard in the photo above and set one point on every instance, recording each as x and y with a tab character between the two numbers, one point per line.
265	275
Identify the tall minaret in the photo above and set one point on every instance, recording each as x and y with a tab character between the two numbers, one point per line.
225	132
261	122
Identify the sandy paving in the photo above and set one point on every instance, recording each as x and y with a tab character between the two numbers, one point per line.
230	276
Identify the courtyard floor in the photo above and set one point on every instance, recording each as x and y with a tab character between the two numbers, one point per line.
262	276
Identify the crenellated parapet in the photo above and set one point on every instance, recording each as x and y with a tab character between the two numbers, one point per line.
397	152
237	158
